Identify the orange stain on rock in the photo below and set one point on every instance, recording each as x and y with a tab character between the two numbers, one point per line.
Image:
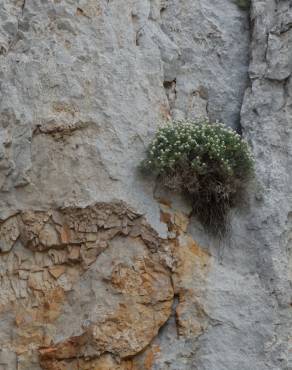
150	357
65	234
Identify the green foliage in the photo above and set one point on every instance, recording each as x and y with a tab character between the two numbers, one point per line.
243	4
208	162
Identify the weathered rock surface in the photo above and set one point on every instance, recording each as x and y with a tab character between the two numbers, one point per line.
91	287
249	292
80	283
209	74
86	281
89	81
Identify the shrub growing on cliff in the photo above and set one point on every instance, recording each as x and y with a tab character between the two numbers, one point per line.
208	162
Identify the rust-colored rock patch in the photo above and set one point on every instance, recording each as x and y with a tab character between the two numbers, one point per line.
82	285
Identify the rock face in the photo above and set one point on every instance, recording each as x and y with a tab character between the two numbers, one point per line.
90	282
87	281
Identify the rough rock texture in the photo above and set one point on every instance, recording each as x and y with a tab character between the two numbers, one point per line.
62	263
87	282
80	78
250	291
209	74
80	283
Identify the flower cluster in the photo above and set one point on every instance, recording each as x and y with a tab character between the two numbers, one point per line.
198	145
207	161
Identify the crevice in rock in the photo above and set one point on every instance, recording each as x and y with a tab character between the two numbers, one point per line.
23	6
171	94
60	130
174	313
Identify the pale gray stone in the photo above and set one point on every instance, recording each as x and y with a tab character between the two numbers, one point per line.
83	86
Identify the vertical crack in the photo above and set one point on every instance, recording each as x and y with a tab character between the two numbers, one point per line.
23	7
171	94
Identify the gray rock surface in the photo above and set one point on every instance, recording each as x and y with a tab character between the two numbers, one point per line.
83	86
250	291
210	71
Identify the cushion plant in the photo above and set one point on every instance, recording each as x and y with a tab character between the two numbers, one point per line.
207	161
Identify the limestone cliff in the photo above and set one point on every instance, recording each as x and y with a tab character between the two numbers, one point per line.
101	268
